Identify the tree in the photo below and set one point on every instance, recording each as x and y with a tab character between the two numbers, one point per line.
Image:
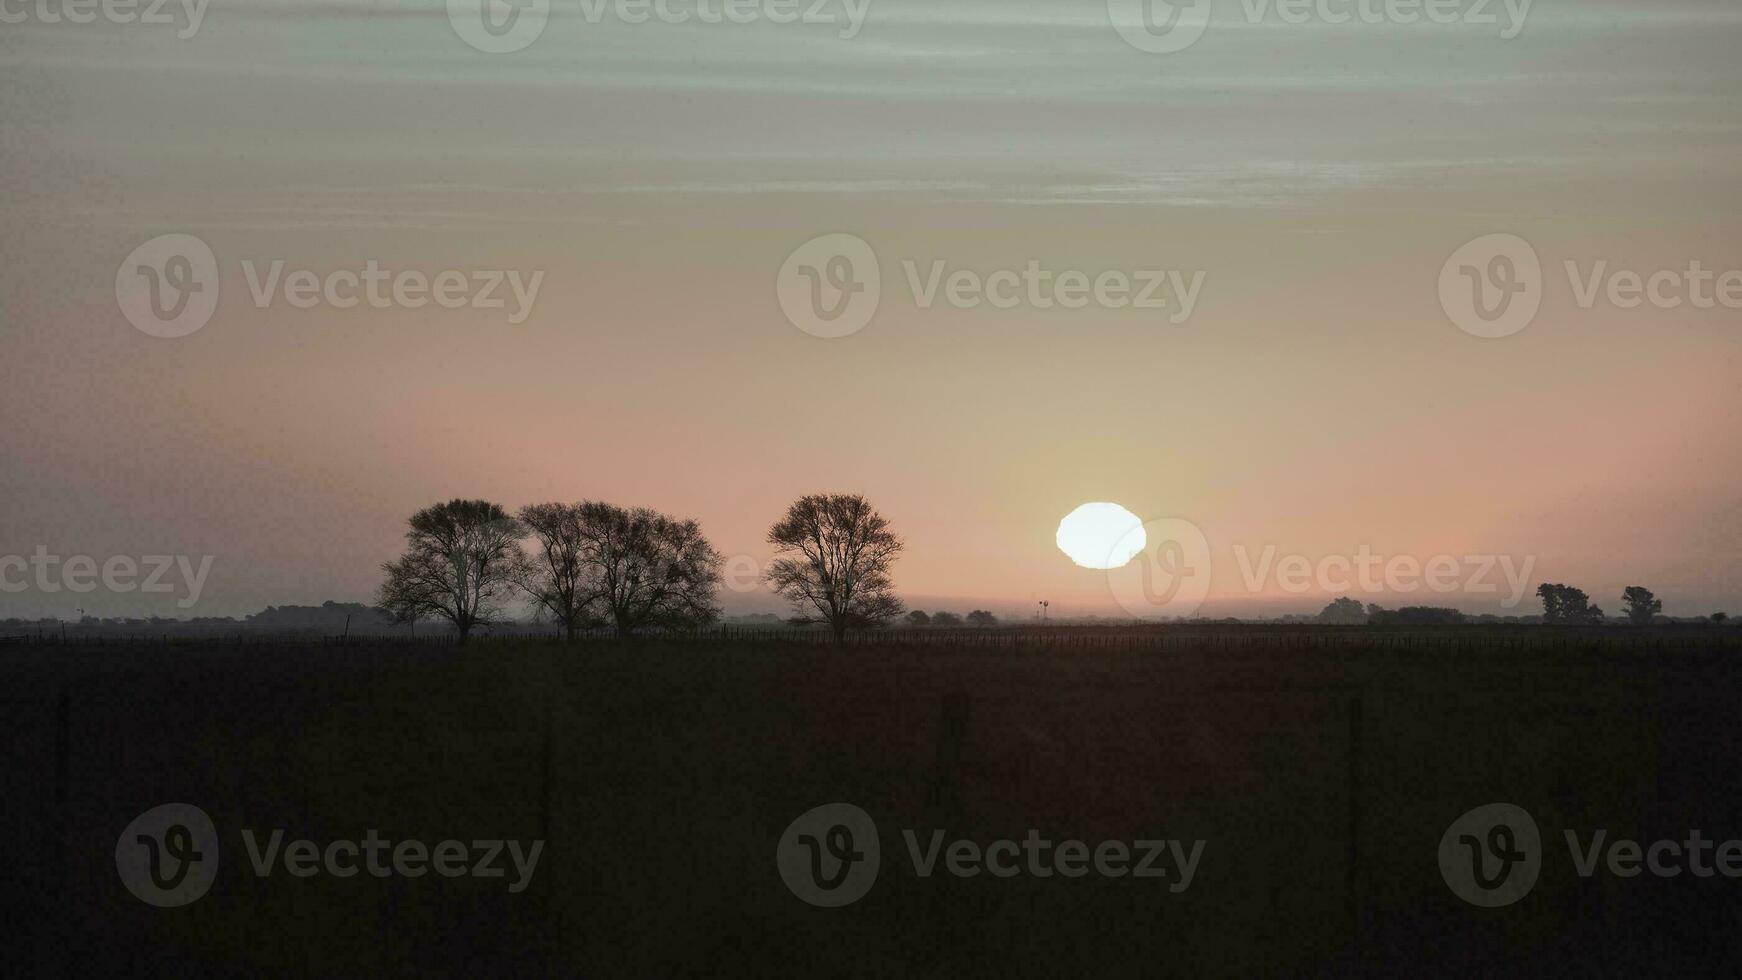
982	618
1563	604
832	557
558	576
917	619
944	620
1719	618
1343	611
1642	606
461	558
648	570
1552	601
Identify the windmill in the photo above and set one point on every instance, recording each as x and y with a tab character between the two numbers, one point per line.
1042	614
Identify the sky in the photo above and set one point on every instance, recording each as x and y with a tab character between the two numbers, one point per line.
1314	179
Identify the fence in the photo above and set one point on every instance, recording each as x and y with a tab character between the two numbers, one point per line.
1224	638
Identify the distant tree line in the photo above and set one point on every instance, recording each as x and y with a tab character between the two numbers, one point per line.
592	564
1562	605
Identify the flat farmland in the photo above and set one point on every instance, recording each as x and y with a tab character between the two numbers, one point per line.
1306	776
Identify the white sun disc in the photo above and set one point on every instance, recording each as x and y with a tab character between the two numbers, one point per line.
1101	535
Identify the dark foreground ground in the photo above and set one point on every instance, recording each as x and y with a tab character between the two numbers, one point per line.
1319	769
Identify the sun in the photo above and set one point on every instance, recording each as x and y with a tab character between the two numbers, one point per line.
1101	536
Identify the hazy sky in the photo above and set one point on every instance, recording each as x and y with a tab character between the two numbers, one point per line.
1317	400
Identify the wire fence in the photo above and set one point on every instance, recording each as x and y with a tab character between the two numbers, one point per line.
1210	638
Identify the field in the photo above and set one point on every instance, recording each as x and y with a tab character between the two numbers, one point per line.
1319	767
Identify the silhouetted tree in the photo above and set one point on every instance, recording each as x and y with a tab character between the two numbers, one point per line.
918	619
649	570
461	557
557	575
1720	618
1642	606
832	555
1343	611
982	618
1563	604
1552	600
946	620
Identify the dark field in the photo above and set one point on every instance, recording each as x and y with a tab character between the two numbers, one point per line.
1320	768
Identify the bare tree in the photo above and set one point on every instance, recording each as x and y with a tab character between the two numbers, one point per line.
832	555
648	570
558	575
461	558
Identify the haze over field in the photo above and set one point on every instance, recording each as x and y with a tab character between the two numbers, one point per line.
1317	400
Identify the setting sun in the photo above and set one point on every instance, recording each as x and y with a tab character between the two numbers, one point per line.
1101	536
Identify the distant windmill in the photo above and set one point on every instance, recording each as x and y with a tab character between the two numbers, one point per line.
1043	606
